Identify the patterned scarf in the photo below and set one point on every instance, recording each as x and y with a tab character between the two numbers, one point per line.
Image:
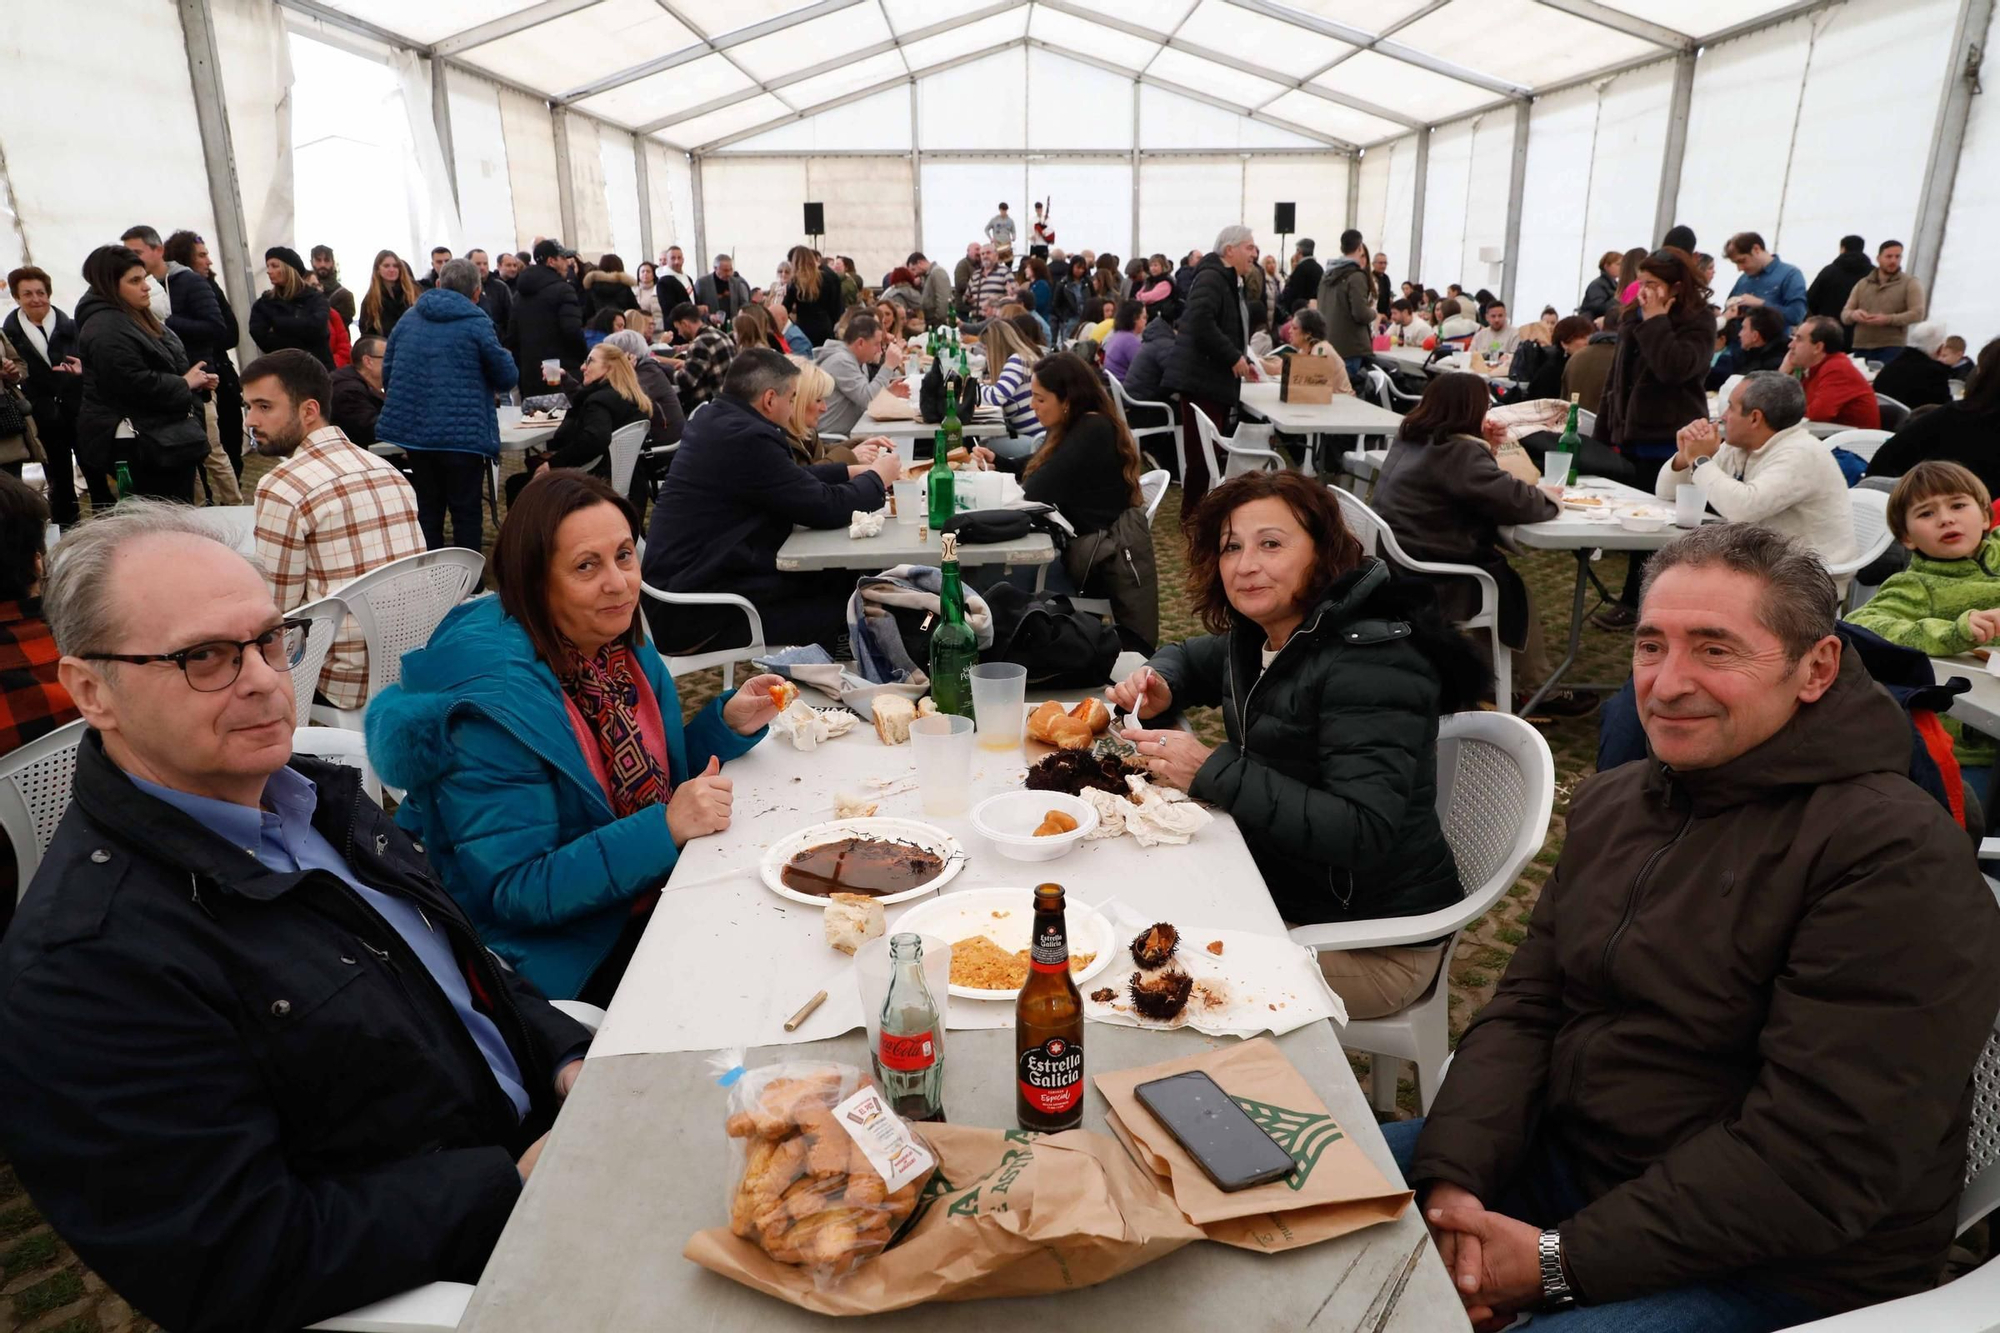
605	693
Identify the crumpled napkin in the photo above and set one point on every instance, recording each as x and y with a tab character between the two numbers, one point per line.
864	524
1164	816
806	726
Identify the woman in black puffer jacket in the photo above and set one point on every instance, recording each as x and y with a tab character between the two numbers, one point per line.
292	313
610	398
1331	679
135	370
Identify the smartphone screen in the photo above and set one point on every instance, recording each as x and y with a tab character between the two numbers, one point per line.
1220	1135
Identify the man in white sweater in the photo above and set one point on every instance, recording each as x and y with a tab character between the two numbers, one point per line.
1771	471
854	388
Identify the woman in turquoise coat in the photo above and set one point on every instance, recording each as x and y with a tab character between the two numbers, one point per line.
539	739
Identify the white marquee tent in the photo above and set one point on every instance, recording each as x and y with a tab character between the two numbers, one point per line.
1498	143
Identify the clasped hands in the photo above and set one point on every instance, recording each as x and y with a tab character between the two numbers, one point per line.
1494	1260
1697	439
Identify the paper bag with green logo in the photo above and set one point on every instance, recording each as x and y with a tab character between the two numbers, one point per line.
1010	1214
1335	1190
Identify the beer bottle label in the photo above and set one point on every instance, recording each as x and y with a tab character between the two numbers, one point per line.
1049	950
917	1050
1051	1076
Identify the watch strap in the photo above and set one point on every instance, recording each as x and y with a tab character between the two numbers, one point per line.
1555	1286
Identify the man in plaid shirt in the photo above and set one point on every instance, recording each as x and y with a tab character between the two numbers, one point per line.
32	701
328	513
705	360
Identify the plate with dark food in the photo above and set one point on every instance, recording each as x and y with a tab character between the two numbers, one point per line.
890	860
1072	772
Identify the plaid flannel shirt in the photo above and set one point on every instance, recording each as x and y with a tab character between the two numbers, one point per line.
708	358
325	516
33	702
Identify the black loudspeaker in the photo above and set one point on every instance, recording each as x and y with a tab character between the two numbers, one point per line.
815	219
1286	219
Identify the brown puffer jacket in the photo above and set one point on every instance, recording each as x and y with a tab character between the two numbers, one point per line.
1747	1009
1659	369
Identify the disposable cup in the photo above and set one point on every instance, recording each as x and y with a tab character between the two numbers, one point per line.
871	974
1688	505
942	745
999	704
909	502
551	371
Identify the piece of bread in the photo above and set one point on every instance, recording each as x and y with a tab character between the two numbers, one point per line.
927	707
852	919
893	715
1066	733
1095	714
1042	719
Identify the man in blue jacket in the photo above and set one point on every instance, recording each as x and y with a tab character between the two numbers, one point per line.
258	1067
735	493
1767	280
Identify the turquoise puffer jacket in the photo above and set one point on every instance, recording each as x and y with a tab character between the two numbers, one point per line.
504	801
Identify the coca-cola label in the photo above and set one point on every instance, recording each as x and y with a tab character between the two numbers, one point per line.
904	1054
1051	1075
1049	950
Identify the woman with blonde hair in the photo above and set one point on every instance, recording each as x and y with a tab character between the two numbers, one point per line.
390	294
754	327
292	313
813	295
1010	363
889	315
609	398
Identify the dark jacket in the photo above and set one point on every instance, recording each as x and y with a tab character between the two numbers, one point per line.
1385	292
816	318
440	371
720	298
583	440
1586	372
496	298
1747	1011
609	291
1143	378
1739	360
658	385
126	373
341	301
1954	433
57	397
672	288
1084	478
1600	298
1914	379
1330	769
1829	291
1211	338
300	322
197	317
1447	502
297	1121
1301	287
1347	304
548	323
393	308
1657	377
355	405
733	497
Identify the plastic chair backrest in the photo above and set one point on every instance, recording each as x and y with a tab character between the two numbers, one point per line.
326	615
1366	525
1862	443
626	442
398	605
34	792
1893	413
1153	489
1495	793
1871	529
1982	1151
1207	434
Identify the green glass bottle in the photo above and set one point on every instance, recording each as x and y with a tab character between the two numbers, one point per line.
1571	442
124	479
953	434
940	488
954	649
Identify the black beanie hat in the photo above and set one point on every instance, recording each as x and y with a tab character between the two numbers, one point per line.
290	256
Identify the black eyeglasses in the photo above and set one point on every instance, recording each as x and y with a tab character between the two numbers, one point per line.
215	665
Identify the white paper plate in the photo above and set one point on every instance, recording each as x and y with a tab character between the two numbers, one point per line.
927	836
960	916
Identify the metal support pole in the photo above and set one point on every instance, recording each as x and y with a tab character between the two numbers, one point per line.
1135	168
1517	184
565	182
1676	150
917	170
1417	206
1354	195
441	118
1968	49
702	264
225	194
645	198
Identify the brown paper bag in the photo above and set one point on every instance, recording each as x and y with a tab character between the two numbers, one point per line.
1006	1214
1514	461
1306	379
1336	1189
886	406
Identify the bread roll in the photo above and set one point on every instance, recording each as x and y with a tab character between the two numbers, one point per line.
1094	714
1042	719
1066	733
893	715
852	919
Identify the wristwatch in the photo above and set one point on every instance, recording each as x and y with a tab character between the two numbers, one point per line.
1700	461
1555	1287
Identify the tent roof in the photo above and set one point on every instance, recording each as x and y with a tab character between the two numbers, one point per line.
1346	73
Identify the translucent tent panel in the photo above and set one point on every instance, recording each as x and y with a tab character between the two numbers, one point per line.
997	118
1342	122
1245	90
1958	299
960	196
1447	187
1170	121
432	20
588	212
479	153
1073	105
745	115
1625	165
806	44
1075	34
256	82
347	125
1696	18
673	214
1386	82
1399	214
716	17
658	96
964	41
571	51
868	216
1896	51
1519	41
1315	184
1090	205
1552	266
1184	202
743	221
1368	15
1371	204
1162	16
1732	180
881	122
1485	226
1251	37
850	77
531	165
620	167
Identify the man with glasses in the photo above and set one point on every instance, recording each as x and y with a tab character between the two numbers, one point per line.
258	1068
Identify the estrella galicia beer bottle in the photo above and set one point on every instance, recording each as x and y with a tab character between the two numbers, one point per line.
1048	1025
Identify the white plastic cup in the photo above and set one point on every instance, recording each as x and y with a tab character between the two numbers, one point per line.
872	971
552	371
1688	505
1555	472
909	502
1000	704
942	745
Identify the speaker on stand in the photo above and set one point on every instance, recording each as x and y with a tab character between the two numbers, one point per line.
815	222
1284	221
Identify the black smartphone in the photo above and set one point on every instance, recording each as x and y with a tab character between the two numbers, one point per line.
1231	1148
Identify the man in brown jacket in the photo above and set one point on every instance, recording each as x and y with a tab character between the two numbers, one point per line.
1883	305
1725	1083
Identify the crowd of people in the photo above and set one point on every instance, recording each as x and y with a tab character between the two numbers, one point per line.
1770	1123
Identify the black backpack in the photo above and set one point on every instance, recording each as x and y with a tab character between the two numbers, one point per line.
930	397
1062	647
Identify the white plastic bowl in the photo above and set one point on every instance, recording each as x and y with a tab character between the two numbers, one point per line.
1640	520
1009	821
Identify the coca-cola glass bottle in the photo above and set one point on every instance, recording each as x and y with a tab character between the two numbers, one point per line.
909	1058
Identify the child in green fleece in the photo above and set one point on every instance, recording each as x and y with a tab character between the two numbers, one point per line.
1948	601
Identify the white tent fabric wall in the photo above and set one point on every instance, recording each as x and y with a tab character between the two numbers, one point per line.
1625	163
54	57
671	178
257	81
426	185
1739	137
348	126
960	196
1961	298
1186	201
531	166
1074	105
881	122
1372	211
753	211
1399	214
1090	206
1315	182
591	218
479	152
979	105
1554	264
868	217
1465	201
619	168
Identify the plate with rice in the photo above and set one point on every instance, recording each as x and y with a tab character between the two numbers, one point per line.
988	930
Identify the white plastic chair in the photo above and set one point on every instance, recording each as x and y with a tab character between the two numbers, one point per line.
397	607
1496	787
435	1308
336	745
1863	443
1153	489
626	442
1871	535
326	615
1892	413
1227	458
34	792
726	658
1377	538
1169	428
